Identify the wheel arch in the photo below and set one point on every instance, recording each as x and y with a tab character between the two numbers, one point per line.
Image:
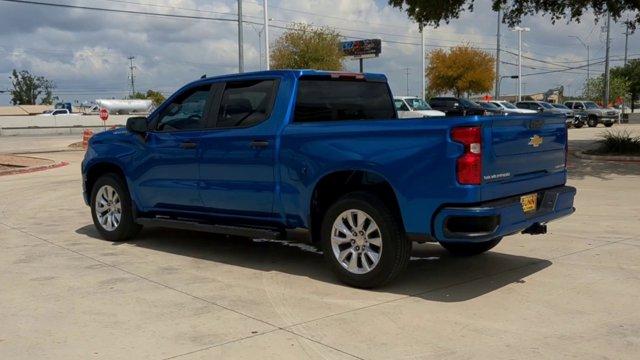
94	171
335	184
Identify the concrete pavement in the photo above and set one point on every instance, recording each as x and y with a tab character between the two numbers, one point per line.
66	293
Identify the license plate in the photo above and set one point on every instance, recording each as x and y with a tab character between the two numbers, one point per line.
529	202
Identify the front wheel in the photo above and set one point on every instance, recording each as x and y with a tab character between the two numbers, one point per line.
608	124
578	124
111	209
363	241
592	121
470	248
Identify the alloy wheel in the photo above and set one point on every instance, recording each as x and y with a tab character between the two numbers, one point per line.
356	241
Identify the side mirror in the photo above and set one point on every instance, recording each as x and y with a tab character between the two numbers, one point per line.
540	109
137	124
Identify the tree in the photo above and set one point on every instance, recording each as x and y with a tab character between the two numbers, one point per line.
631	72
27	88
307	47
155	96
618	88
433	12
462	69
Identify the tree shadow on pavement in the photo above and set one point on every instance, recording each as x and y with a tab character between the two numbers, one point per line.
582	168
432	273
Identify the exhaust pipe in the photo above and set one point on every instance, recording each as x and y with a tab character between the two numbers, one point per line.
536	229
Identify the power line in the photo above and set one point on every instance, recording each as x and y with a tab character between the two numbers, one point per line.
122	11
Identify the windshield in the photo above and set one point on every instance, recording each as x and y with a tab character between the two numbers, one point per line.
467	103
488	105
591	105
418	104
508	105
546	105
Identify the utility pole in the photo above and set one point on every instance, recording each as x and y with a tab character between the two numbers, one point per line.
423	78
520	30
266	33
606	64
132	76
496	94
626	44
407	73
240	39
588	59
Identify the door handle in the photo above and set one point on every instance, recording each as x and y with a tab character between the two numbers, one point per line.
188	145
259	144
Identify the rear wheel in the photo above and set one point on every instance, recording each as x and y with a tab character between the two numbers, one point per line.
363	241
470	248
578	124
592	121
608	124
111	209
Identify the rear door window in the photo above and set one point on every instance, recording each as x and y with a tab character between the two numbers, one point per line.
400	105
322	99
246	103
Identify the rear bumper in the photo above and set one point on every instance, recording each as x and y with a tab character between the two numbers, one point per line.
485	221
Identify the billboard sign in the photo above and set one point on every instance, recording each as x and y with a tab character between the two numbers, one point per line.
362	49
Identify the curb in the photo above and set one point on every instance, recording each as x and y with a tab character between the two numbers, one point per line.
33	169
582	155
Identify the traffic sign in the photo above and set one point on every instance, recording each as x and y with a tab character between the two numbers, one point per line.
104	114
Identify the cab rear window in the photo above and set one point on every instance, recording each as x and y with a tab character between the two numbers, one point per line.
320	99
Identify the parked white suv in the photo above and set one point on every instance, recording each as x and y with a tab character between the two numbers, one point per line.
414	107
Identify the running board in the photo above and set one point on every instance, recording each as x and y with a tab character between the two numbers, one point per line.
254	233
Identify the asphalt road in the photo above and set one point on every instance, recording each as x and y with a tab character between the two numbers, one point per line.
67	294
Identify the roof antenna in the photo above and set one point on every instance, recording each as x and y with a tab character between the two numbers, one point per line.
204	76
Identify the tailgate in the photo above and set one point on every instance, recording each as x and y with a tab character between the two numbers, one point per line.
525	150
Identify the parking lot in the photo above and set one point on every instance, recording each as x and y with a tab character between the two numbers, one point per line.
67	294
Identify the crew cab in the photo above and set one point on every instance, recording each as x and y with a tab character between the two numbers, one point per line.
593	113
323	157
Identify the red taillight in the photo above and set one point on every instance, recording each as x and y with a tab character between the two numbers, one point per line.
469	165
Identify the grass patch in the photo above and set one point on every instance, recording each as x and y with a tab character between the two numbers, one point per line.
618	142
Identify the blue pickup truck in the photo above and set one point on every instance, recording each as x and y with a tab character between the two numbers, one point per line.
322	156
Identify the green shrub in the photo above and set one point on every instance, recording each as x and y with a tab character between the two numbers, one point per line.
619	142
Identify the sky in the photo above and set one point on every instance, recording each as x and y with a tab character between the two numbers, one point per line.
85	52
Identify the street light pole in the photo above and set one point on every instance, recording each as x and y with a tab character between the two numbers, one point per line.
266	33
498	78
240	39
259	32
606	63
423	79
520	30
588	59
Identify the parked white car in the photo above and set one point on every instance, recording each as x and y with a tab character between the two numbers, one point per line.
414	107
56	112
509	108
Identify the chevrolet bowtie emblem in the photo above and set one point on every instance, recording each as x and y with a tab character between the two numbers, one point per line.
535	140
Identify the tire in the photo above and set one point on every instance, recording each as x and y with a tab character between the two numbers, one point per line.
110	189
592	121
608	124
388	243
470	248
578	124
